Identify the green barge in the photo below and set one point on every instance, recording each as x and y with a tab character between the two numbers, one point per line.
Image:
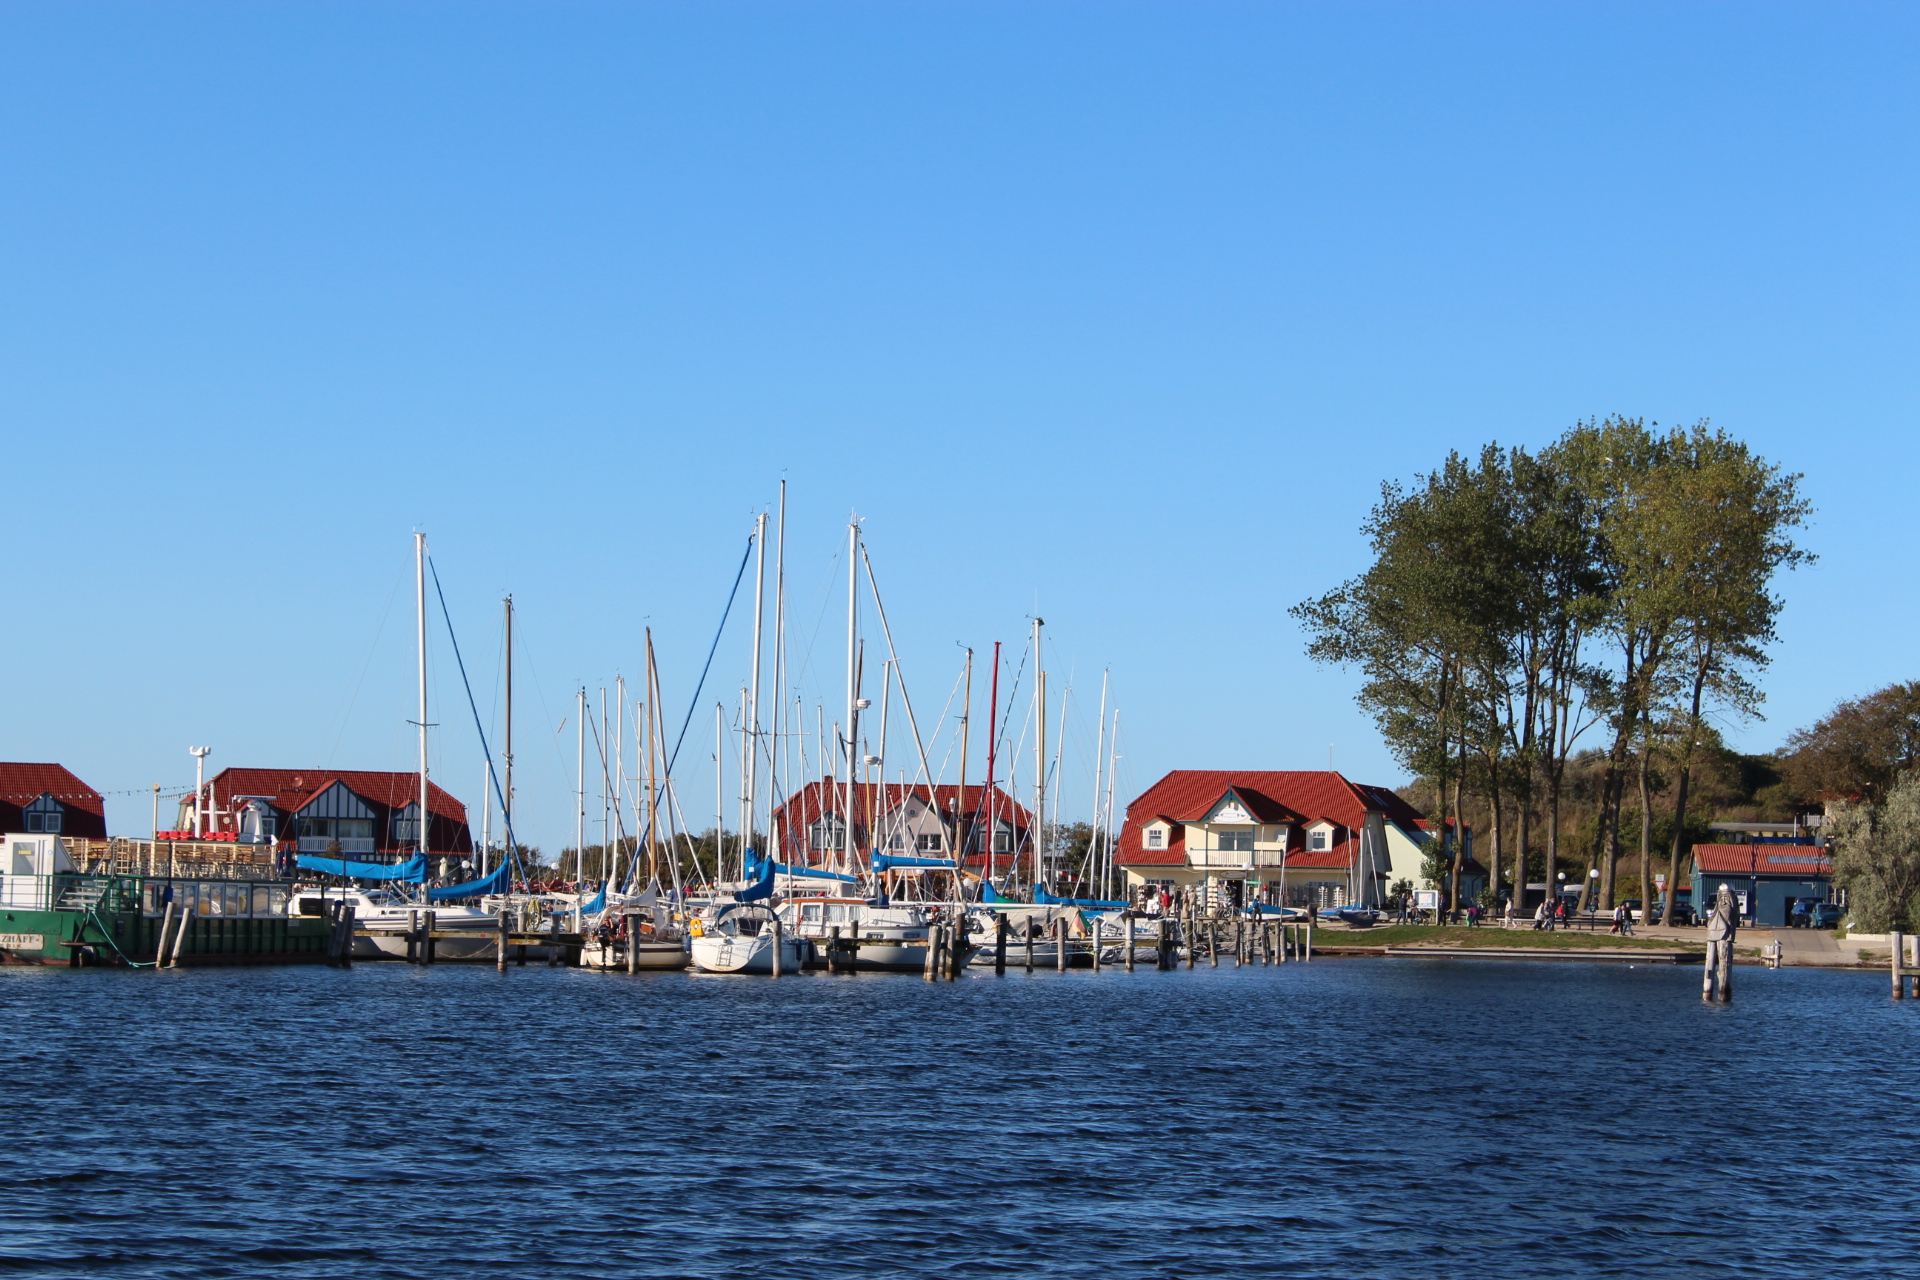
51	913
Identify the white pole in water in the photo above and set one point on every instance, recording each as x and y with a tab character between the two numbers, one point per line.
420	625
486	819
580	787
199	755
775	797
750	784
853	736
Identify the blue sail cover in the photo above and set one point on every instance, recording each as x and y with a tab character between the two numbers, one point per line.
989	894
760	871
888	861
754	864
1041	896
499	880
599	902
413	870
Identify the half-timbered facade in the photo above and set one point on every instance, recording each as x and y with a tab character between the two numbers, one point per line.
47	799
345	813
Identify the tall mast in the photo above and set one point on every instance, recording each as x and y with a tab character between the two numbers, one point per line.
609	856
1039	754
853	722
719	787
506	756
960	815
420	611
749	782
993	741
653	790
1113	763
580	791
1096	823
486	819
775	797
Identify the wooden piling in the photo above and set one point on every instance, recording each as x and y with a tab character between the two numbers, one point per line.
1098	927
500	955
957	947
426	938
930	967
632	924
1029	932
631	947
1000	929
413	937
1060	945
1126	938
1307	950
1191	929
553	942
160	943
1899	953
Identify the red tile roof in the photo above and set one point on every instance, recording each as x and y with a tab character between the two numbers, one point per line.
290	790
1766	859
810	803
1299	797
23	783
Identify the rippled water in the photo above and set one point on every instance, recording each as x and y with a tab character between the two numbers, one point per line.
1345	1118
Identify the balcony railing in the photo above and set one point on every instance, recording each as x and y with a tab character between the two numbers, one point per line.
1235	859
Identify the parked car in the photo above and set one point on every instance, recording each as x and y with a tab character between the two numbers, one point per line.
1682	912
1633	909
1811	913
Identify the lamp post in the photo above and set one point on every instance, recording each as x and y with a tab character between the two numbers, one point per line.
1593	888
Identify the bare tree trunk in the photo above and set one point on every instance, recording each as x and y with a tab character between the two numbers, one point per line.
1646	832
1680	796
1459	819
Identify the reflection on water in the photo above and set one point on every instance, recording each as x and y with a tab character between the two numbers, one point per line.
1344	1118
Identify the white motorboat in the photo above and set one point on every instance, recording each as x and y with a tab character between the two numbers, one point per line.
891	938
384	910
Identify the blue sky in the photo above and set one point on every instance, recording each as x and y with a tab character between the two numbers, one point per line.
1116	312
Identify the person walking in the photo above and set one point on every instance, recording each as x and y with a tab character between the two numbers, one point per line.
1619	915
1540	917
1626	921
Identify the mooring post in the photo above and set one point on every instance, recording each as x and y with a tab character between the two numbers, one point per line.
426	937
500	955
413	937
346	938
957	947
160	943
1099	927
776	946
1308	953
1000	942
1060	945
1191	928
1029	932
1126	938
553	940
931	964
632	924
1899	941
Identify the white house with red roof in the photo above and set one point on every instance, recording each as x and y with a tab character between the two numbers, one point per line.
352	813
1292	837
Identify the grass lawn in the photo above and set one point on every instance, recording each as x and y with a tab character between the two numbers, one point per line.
1408	935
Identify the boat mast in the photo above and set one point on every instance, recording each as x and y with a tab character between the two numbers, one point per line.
749	781
506	756
653	785
486	818
420	620
609	856
960	814
993	742
776	799
1113	762
1037	840
580	790
1097	826
853	723
719	788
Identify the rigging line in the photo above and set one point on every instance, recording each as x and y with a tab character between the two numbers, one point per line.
695	703
506	815
873	583
365	662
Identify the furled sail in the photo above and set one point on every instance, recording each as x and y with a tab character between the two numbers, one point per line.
413	870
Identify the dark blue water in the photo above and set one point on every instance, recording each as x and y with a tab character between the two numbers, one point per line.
1345	1119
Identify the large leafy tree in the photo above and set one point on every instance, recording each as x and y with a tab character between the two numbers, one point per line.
1858	748
1876	856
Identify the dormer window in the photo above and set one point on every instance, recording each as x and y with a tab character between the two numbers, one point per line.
826	833
1156	837
45	815
1318	840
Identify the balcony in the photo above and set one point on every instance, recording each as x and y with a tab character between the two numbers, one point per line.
1261	855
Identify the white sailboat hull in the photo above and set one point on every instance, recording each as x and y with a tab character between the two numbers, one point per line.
660	954
723	953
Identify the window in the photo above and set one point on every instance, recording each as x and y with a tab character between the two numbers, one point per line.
896	841
1156	838
1318	839
1003	839
262	900
931	843
406	824
44	815
826	833
236	896
1237	840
